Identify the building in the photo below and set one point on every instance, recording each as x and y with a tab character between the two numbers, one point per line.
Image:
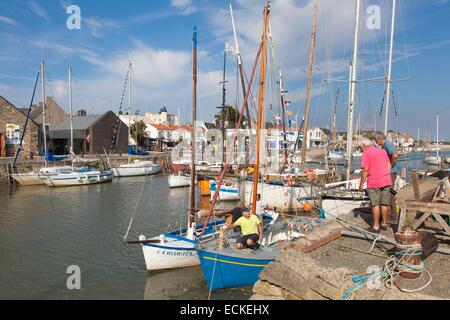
93	134
54	114
12	121
163	117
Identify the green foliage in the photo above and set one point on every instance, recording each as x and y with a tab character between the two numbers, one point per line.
231	116
137	131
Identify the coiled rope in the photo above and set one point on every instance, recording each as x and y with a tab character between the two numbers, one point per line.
393	267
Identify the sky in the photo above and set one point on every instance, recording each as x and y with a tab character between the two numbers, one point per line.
156	36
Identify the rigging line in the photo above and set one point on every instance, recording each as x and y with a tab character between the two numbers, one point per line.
134	212
118	123
404	39
26	122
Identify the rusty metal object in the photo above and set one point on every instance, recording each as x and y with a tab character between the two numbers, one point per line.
408	236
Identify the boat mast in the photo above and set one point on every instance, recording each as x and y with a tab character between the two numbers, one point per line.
308	87
389	79
260	106
437	135
241	70
334	119
223	107
129	103
44	129
194	131
71	112
283	117
351	104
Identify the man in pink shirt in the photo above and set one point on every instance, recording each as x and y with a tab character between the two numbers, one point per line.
376	169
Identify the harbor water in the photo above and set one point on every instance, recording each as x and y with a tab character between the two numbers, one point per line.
45	230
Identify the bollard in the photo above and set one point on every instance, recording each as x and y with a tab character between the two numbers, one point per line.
409	237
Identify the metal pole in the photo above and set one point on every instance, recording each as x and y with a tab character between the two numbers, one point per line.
71	110
241	70
352	94
308	87
194	131
44	129
389	79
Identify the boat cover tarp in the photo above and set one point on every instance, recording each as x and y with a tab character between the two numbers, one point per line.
50	157
134	151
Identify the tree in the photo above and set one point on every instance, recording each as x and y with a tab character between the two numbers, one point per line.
231	117
137	131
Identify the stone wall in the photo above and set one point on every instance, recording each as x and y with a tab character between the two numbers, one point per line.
9	114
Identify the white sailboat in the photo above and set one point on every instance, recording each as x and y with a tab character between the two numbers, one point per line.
434	160
179	180
135	167
79	176
38	177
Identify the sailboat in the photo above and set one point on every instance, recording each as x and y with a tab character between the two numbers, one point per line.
178	178
38	177
434	160
77	176
176	249
224	266
135	167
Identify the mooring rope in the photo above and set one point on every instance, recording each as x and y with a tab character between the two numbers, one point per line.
393	267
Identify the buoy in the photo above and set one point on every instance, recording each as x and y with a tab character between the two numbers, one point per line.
307	206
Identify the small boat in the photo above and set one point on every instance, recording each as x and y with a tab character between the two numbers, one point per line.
180	165
336	154
179	180
217	167
175	249
38	178
227	267
137	168
433	160
342	197
229	191
79	177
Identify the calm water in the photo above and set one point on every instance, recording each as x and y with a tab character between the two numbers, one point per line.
45	230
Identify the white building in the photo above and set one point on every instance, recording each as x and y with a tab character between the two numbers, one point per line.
162	117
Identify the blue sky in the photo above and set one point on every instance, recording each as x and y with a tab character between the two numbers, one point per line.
156	36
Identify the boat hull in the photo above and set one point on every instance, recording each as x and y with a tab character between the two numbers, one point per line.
174	250
176	181
133	171
78	179
173	254
434	161
38	178
224	271
280	196
28	179
226	193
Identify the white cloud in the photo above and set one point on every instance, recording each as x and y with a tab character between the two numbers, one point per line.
9	21
97	24
38	10
186	6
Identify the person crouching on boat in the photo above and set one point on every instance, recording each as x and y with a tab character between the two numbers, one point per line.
251	229
376	169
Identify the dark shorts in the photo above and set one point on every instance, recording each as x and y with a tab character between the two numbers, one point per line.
380	196
254	237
